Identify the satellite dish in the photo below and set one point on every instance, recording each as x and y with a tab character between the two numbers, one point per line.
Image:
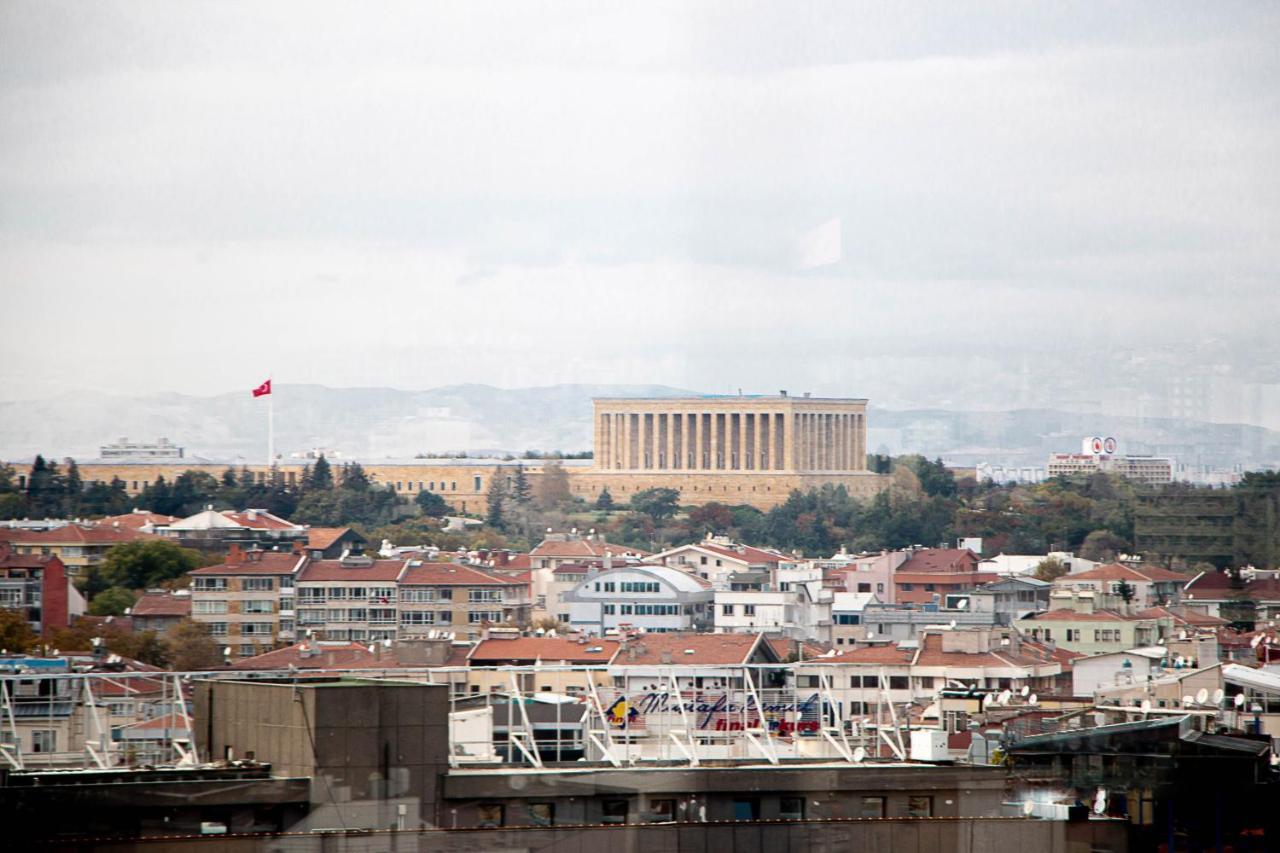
1182	635
1202	696
953	623
1217	696
1254	642
1146	705
1033	699
1187	700
1005	696
962	604
1100	801
1025	690
1028	807
1239	700
859	755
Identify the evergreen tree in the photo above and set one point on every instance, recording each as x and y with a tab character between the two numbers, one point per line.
354	477
521	491
322	474
73	488
496	496
604	500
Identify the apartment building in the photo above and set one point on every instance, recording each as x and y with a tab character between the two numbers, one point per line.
655	598
248	602
1148	586
39	587
800	611
716	558
349	599
461	599
78	546
930	575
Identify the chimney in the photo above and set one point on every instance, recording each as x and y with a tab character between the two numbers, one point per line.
665	656
235	554
298	546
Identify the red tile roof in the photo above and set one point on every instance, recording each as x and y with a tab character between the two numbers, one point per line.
947	578
582	548
452	574
74	534
255	563
260	519
748	554
1119	572
707	649
933	560
311	654
496	652
162	604
335	570
1068	615
136	519
888	653
319	538
1182	616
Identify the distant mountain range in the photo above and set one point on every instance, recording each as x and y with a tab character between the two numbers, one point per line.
376	423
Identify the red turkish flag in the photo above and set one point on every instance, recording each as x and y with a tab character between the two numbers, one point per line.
263	389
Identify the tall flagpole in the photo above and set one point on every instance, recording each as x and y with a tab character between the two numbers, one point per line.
271	429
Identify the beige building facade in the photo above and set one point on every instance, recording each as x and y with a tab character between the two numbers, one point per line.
745	449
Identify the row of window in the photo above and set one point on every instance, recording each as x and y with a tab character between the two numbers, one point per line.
731	609
642	609
628	586
202	584
665	809
217	608
316	594
430	485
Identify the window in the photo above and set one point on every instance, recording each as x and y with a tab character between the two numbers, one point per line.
477	484
1073	634
410	595
872	807
864	587
919	806
746	808
248	650
898	682
928	587
418	617
258	584
44	740
613	811
791	808
484	595
256	607
255	629
205	608
542	814
490	814
210	585
748	610
727	609
848	619
608	610
906	587
626	610
218	629
662	811
475	617
382	616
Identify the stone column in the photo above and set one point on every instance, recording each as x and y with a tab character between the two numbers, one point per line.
714	461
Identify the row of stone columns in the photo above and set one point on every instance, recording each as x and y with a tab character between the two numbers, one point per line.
730	441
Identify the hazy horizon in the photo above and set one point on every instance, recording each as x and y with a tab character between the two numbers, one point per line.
925	205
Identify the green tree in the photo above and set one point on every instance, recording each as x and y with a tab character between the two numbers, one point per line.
496	497
147	563
604	501
521	491
431	504
113	601
190	647
1103	546
553	486
1050	568
16	635
354	477
322	474
659	504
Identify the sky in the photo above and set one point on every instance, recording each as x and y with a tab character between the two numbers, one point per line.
925	203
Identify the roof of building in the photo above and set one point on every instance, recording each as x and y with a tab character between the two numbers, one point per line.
676	578
238	562
453	574
936	560
9	559
319	538
321	654
1120	572
946	578
745	553
260	519
137	519
1182	616
586	546
73	534
692	649
1065	614
162	604
544	649
351	570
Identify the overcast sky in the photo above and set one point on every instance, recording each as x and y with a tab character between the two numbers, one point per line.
194	195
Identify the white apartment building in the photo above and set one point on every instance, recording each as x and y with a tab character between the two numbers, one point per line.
655	598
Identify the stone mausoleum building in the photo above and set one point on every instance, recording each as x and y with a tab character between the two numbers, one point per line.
735	449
